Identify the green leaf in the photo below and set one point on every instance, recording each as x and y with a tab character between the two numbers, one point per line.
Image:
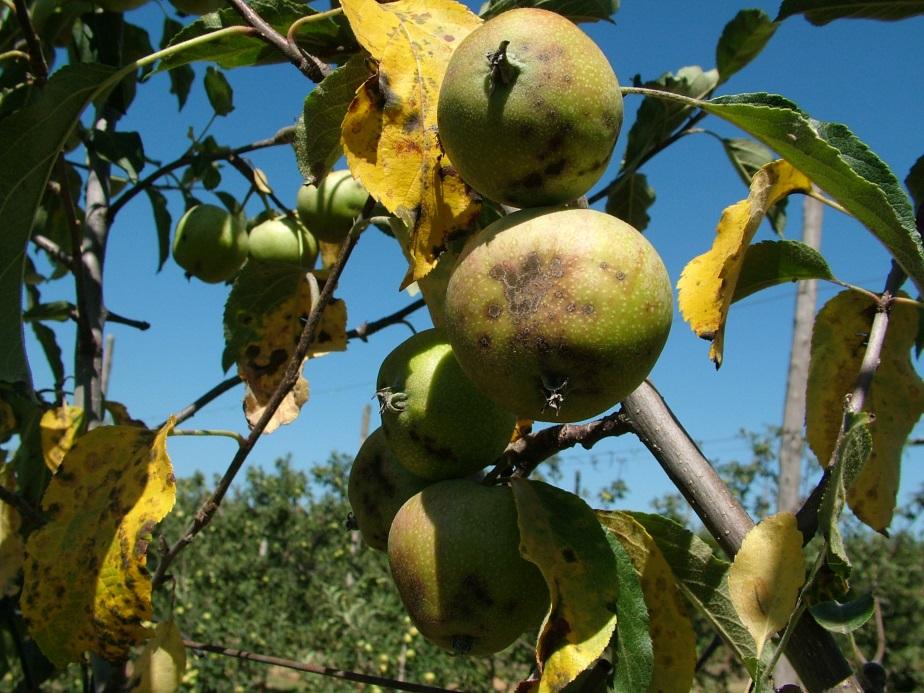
631	199
839	163
748	156
30	141
46	337
326	38
852	453
844	618
702	578
575	10
162	223
635	653
658	118
59	311
770	263
820	12
561	535
317	134
914	181
181	76
219	92
123	149
743	38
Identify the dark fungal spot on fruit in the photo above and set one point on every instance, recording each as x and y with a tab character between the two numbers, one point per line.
529	182
474	588
484	341
568	554
556	167
493	311
587	309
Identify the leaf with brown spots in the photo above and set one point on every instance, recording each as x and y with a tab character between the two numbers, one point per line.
389	132
561	535
896	396
264	318
766	575
86	585
707	284
671	631
12	549
59	427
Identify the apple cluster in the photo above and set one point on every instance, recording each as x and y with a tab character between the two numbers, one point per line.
212	244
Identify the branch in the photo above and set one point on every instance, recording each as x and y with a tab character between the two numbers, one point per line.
315	669
293	368
36	57
23	506
284	136
368	328
310	66
190	410
812	651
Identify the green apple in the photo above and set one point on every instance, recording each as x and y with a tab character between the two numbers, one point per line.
330	208
283	241
210	243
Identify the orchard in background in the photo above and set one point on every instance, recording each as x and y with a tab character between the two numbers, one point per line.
555	313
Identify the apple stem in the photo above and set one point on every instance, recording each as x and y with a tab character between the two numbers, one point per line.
554	392
395	402
503	71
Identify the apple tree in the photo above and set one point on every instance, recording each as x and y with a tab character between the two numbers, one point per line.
473	140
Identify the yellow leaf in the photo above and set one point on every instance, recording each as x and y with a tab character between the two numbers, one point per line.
160	666
274	334
59	427
560	534
86	586
707	283
672	635
766	575
390	134
896	396
12	549
120	415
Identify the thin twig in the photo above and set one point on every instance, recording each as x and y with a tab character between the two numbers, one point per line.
364	330
23	506
284	136
190	410
315	669
310	66
36	57
293	368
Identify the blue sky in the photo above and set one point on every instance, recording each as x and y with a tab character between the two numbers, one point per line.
862	73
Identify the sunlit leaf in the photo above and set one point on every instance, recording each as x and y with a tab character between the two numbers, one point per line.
852	454
837	162
631	200
702	577
766	575
770	263
844	618
12	548
160	665
896	395
635	653
671	631
820	12
323	38
86	586
708	282
748	156
317	133
264	318
59	430
742	40
561	535
575	10
389	132
30	141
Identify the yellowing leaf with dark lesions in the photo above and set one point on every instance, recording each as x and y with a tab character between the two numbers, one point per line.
766	575
160	665
59	427
896	396
120	415
86	585
707	284
561	535
672	633
12	549
389	132
264	317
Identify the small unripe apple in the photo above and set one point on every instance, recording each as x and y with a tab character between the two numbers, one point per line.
437	424
283	241
330	208
557	314
378	486
210	243
529	109
454	554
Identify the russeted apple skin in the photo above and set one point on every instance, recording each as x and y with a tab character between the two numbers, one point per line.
454	556
436	422
545	136
377	488
558	314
